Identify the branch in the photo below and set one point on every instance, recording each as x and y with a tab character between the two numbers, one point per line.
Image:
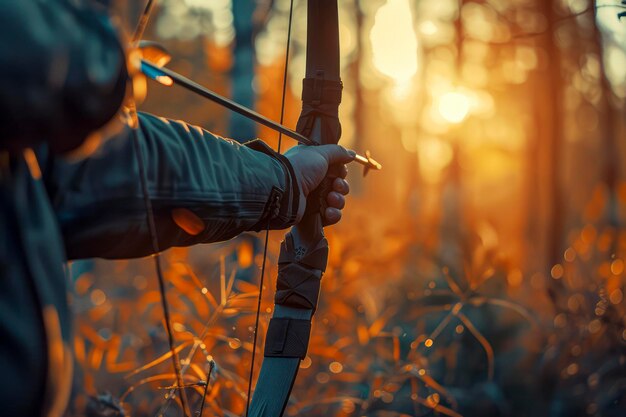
565	18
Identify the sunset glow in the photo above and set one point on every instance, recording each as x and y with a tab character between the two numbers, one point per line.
394	42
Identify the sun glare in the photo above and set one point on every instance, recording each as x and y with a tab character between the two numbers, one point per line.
394	42
454	107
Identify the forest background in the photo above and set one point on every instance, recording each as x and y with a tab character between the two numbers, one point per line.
481	273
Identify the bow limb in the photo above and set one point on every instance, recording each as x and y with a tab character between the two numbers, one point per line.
304	252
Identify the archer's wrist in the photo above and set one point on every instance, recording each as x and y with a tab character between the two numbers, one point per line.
282	208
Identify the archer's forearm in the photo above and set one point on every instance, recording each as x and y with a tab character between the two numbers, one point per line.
203	188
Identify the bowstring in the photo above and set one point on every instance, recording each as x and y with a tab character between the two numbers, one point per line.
143	22
138	34
157	263
267	230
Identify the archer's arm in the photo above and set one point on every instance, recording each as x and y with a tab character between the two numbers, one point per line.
203	189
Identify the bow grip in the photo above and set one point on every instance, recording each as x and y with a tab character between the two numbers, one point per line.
316	201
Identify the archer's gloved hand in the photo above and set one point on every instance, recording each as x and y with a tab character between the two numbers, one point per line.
311	165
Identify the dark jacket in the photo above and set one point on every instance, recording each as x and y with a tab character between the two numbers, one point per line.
52	210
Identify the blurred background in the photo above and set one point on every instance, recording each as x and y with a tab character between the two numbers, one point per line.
481	273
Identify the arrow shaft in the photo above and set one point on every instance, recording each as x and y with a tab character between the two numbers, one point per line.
202	91
153	71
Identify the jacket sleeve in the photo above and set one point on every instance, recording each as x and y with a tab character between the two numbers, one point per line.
203	188
62	72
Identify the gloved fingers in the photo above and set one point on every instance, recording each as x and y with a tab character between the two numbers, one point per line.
335	200
342	171
335	154
341	186
331	216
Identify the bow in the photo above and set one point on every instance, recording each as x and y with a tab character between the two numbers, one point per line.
304	252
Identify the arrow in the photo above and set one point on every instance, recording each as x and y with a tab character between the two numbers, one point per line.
167	77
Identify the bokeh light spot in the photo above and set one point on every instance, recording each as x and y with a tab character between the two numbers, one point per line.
454	107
